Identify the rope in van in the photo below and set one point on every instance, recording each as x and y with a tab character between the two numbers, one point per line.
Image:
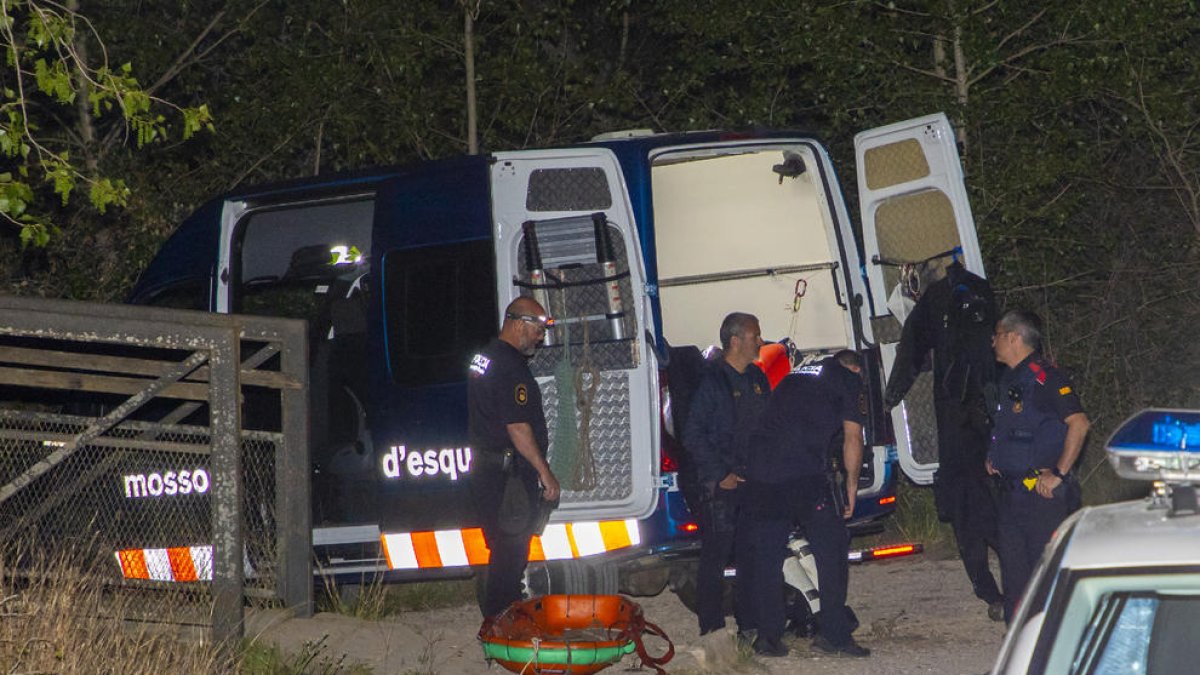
584	476
565	444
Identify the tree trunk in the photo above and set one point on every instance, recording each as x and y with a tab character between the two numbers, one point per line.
87	130
961	87
469	58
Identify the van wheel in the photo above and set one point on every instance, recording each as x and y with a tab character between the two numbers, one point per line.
573	577
644	582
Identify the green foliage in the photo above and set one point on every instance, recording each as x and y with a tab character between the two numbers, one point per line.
60	174
260	659
54	80
55	143
915	521
107	192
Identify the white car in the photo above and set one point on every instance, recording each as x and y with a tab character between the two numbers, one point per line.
1118	587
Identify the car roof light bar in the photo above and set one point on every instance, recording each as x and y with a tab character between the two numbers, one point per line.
1157	444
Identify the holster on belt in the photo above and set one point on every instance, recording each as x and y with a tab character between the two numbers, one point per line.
495	461
837	489
717	508
1019	482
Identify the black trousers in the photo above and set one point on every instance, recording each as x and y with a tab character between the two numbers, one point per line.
772	511
963	494
509	550
719	538
1027	522
964	498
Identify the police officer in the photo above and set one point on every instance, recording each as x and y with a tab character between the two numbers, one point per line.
1038	434
507	428
954	319
787	482
724	414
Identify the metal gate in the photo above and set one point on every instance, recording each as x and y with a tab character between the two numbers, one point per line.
162	453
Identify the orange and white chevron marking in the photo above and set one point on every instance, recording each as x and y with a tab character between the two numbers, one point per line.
456	548
180	563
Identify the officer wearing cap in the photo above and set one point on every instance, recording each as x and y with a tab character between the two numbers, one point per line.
724	414
787	481
505	413
1038	433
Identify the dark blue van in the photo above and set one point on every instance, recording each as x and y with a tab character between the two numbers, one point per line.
638	244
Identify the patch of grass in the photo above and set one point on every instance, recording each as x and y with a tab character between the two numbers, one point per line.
426	595
364	600
55	618
260	659
373	599
915	520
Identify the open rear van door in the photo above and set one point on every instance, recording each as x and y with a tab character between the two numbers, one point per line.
916	220
565	234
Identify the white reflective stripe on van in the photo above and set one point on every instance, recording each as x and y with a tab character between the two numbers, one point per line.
458	548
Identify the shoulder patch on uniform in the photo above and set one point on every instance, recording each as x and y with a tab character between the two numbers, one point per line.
1038	371
480	364
521	394
1064	391
811	369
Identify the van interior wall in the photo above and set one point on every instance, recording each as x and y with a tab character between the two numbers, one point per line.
715	216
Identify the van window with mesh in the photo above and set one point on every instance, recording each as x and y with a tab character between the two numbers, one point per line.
440	308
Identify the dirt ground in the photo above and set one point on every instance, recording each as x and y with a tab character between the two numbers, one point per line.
917	615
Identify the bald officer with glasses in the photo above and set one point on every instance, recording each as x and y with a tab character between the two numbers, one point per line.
507	429
1037	434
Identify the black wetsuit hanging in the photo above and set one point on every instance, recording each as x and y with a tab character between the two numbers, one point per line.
954	319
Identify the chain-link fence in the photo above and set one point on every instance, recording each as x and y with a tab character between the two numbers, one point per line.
164	455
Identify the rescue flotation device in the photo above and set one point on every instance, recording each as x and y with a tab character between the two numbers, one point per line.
576	634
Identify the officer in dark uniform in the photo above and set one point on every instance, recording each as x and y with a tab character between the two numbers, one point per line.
787	481
1038	434
723	415
953	320
507	428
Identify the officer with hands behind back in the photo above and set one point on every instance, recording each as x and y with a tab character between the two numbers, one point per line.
1038	433
507	428
787	482
724	414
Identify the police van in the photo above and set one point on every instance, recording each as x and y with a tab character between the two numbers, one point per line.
638	244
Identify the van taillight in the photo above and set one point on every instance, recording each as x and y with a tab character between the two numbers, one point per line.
668	464
668	448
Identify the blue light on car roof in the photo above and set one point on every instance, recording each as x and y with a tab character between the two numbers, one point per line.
1171	430
1157	445
1176	433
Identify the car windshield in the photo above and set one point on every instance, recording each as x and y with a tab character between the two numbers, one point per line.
1128	623
1140	633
